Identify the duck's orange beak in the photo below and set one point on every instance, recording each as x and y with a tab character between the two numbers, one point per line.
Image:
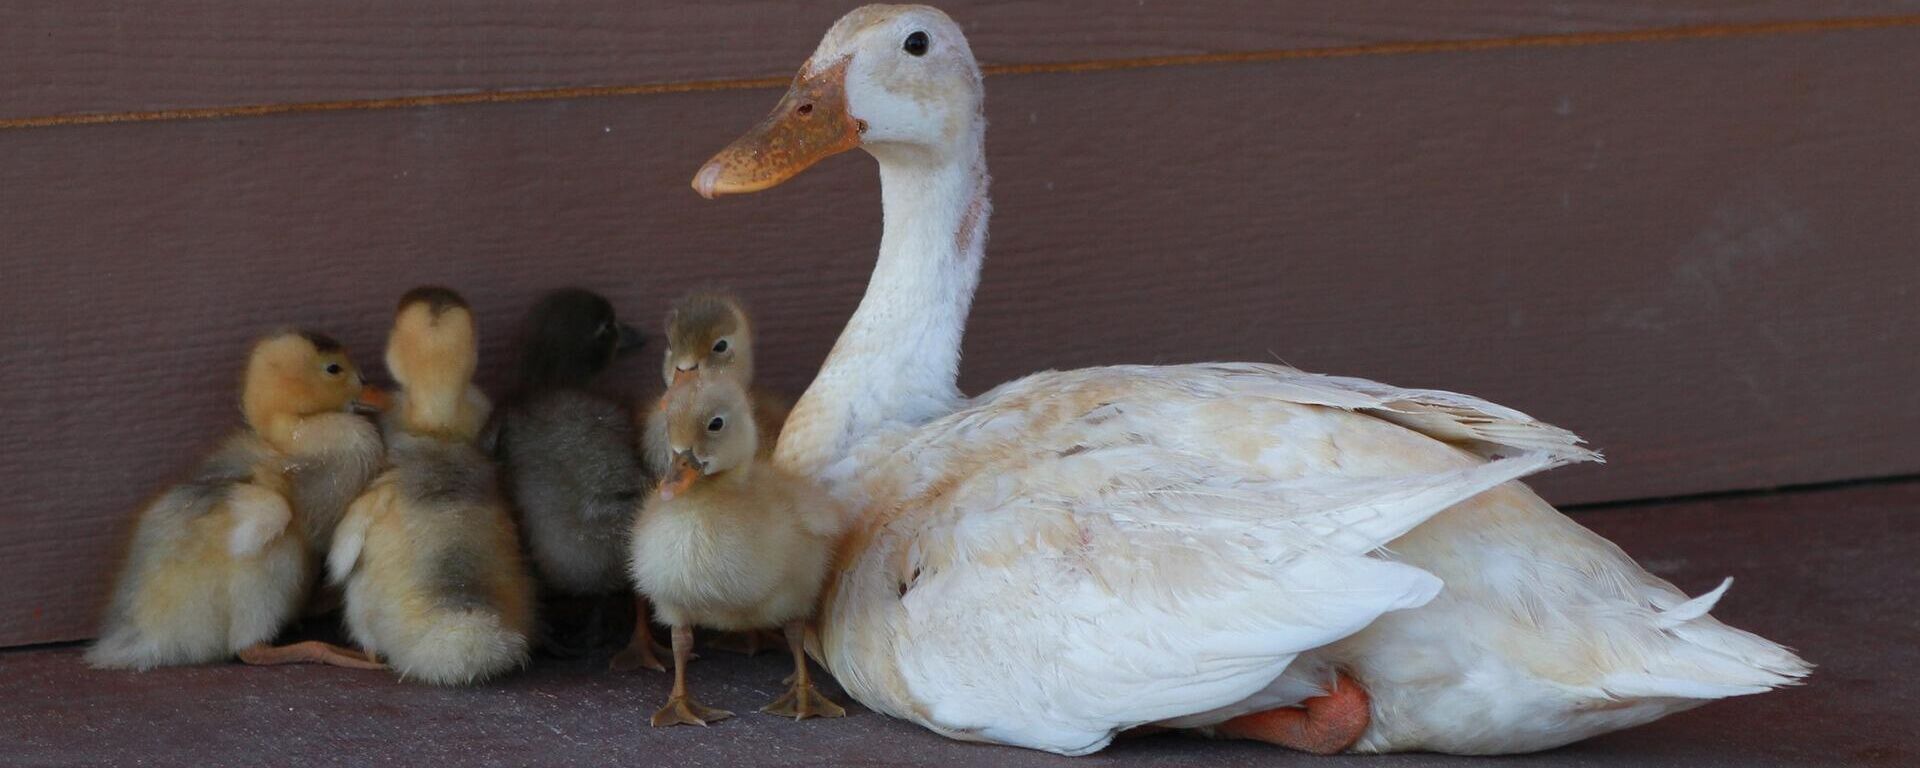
373	400
680	477
810	124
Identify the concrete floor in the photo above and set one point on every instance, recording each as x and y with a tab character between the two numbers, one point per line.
1830	572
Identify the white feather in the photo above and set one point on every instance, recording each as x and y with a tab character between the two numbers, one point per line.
259	516
348	539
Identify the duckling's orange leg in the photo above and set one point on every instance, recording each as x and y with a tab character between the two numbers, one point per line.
641	651
802	700
1322	725
309	652
681	709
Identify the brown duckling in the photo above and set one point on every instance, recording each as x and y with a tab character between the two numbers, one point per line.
428	555
731	542
570	462
218	564
710	334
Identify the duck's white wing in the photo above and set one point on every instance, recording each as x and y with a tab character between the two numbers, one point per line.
1087	551
1484	428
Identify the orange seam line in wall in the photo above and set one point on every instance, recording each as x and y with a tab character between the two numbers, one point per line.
1669	34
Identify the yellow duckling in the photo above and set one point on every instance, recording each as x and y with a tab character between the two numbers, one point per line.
731	543
710	334
219	563
428	554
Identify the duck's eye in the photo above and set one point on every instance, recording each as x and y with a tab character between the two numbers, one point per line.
334	369
717	424
720	346
917	44
606	329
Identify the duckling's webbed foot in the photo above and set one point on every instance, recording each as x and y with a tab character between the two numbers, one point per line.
309	652
683	710
1322	725
801	700
634	658
641	651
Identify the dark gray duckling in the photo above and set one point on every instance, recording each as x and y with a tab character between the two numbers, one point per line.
569	459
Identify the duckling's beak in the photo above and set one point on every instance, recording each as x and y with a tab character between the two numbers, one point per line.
372	399
681	376
630	339
686	469
810	124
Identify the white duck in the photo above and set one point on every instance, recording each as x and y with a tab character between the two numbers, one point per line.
1205	546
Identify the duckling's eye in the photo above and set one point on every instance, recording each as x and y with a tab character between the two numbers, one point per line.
720	346
717	424
334	369
917	44
606	329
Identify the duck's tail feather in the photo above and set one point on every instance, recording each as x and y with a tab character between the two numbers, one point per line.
1707	659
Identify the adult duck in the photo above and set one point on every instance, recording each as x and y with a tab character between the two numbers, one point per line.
1249	550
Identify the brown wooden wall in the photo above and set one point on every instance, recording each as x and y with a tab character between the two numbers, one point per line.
1683	228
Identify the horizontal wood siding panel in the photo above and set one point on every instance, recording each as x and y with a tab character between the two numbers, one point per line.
64	57
1699	255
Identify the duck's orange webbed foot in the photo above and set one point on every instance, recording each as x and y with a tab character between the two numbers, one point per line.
683	710
309	652
643	654
1322	725
641	651
801	700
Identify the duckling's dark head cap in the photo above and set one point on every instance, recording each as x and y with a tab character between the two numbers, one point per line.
321	342
438	299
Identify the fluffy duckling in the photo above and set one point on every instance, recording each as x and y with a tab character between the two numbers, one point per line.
219	564
428	555
570	457
710	334
730	542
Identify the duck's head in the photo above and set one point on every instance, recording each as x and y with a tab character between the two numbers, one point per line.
432	353
896	80
710	430
708	334
571	336
293	374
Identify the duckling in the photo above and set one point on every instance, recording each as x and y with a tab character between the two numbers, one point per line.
570	458
730	542
428	554
218	564
711	334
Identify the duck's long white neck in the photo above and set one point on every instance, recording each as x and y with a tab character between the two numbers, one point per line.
898	361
